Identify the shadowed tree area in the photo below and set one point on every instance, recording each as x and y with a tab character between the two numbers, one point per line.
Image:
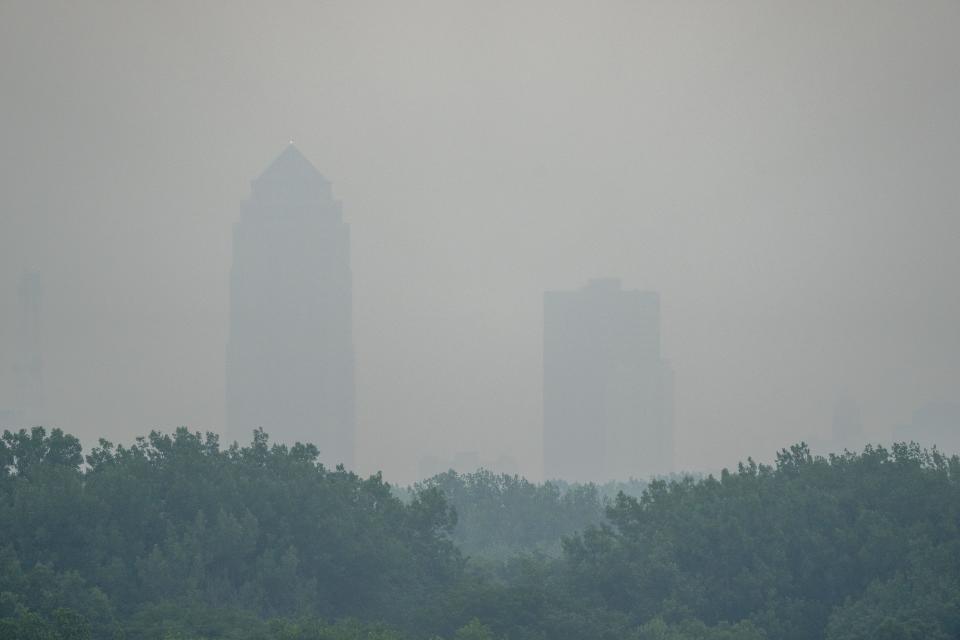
175	537
499	515
176	521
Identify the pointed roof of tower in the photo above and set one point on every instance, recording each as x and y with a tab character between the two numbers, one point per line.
290	165
292	179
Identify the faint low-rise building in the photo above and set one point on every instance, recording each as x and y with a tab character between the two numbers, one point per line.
935	423
846	426
30	395
466	462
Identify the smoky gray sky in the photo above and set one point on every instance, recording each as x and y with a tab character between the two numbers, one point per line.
785	174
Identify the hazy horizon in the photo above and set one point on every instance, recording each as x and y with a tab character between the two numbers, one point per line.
783	175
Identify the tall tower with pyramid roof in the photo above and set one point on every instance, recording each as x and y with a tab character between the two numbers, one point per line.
290	361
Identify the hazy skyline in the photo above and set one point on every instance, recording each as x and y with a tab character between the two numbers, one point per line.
783	174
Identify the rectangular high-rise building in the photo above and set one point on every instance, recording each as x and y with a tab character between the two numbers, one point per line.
607	392
290	360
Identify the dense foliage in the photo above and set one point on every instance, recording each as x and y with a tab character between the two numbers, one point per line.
853	546
176	537
177	522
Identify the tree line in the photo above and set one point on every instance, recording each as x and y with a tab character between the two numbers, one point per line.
177	537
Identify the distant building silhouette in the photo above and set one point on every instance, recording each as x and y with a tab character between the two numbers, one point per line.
935	423
607	393
290	360
846	427
28	364
466	462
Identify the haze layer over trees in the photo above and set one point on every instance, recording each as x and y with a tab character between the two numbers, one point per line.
177	537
